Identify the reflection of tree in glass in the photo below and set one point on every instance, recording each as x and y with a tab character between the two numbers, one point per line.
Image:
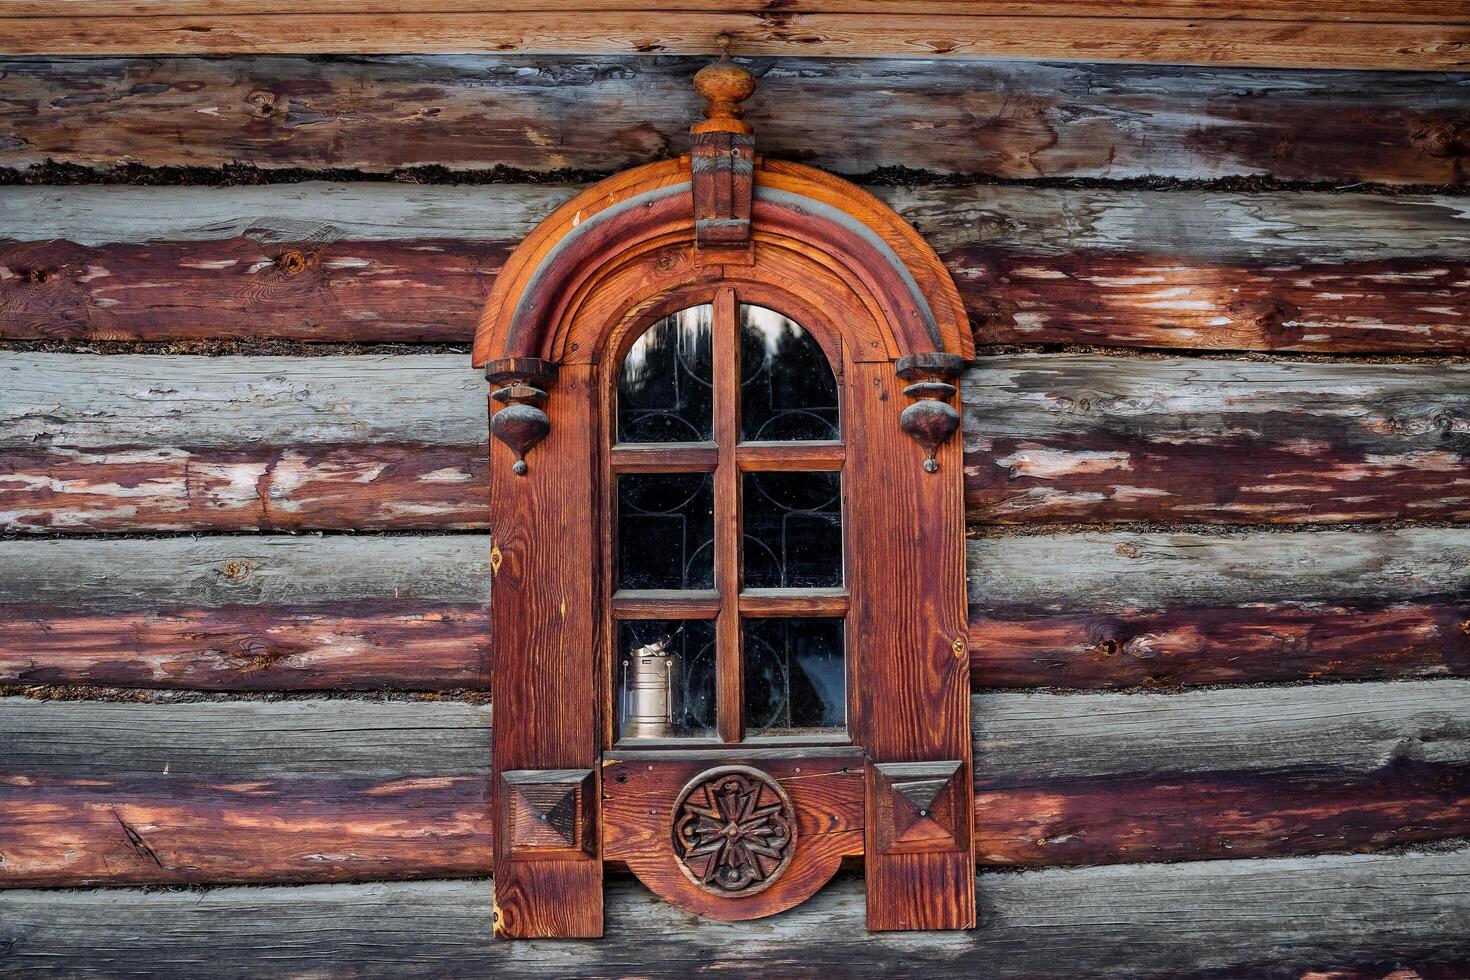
787	389
665	382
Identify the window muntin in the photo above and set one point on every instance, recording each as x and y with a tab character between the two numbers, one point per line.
727	420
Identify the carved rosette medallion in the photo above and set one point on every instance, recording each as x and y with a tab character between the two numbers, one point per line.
734	831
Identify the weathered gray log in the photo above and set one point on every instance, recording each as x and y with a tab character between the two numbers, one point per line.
1217	225
1124	609
1103	609
1088	438
322	790
1009	119
374	262
1264	918
137	442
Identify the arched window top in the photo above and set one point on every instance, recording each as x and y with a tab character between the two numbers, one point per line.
624	243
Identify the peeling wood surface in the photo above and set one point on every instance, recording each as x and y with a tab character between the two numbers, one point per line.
1123	609
324	790
1052	438
1274	919
1199	35
135	442
1093	610
388	262
1004	119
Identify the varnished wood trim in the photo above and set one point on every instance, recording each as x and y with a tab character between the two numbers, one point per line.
793	602
729	522
645	457
666	604
790	456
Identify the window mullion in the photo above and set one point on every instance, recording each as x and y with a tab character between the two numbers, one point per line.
729	694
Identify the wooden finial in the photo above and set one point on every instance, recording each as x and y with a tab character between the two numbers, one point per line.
723	85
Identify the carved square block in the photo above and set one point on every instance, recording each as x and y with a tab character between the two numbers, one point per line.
919	806
547	814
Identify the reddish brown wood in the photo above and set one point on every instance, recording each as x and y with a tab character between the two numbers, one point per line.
729	541
666	603
158	829
907	641
826	790
361	291
664	459
790	456
794	602
544	614
360	487
1296	470
68	831
1406	305
403	644
1217	815
1260	642
431	289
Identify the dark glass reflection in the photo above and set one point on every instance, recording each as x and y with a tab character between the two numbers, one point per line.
666	531
795	676
793	530
664	676
787	389
664	385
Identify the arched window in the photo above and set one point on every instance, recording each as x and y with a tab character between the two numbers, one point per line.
728	599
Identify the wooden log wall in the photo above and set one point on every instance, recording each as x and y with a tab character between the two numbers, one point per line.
1216	466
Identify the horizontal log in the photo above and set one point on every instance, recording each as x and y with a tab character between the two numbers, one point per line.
384	262
1005	119
149	443
242	614
1092	610
1271	919
343	790
1091	439
1191	35
189	443
1098	610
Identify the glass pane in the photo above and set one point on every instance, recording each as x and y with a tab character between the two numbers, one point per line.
787	389
664	386
665	678
793	530
666	529
795	676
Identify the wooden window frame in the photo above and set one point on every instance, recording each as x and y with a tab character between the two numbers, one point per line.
721	224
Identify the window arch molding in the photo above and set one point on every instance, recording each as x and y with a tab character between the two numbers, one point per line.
566	307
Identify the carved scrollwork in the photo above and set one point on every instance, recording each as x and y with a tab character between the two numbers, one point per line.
931	419
734	831
521	422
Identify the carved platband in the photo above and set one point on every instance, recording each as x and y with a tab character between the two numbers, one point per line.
734	831
521	385
931	419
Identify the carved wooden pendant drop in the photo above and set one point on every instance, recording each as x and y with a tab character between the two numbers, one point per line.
734	830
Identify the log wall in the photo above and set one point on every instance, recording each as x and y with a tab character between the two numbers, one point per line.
1216	451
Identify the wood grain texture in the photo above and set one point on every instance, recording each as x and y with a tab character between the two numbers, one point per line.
1090	610
1097	610
324	790
1271	919
146	443
1004	119
189	443
232	613
1190	35
369	262
1084	438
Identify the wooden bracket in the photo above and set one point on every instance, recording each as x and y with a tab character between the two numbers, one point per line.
522	384
931	419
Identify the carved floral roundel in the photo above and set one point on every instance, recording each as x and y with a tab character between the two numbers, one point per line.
734	831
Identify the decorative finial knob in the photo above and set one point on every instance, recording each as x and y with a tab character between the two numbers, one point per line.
723	85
